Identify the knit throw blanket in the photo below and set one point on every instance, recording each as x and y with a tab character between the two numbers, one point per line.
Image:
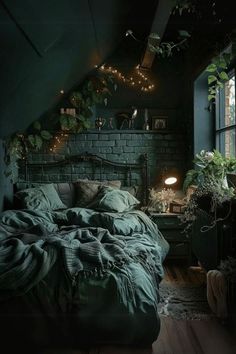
27	257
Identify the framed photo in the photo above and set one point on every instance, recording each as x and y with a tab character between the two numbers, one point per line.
176	208
159	122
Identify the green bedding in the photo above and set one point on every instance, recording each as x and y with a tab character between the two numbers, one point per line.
100	269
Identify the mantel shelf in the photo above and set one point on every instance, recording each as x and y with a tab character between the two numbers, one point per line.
128	131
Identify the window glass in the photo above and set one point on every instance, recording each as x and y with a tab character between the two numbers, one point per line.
226	142
225	118
229	117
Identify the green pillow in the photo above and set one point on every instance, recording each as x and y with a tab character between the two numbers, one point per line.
44	197
110	199
86	190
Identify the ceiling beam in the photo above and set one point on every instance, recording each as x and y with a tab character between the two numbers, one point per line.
163	11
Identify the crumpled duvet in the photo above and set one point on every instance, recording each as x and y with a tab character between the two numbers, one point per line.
87	244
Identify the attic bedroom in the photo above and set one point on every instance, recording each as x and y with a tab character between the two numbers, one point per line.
118	177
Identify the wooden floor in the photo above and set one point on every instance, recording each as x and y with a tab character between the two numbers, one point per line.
179	336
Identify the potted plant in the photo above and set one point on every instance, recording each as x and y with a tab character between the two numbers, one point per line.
211	187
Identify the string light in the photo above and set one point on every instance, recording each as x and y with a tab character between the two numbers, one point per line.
58	139
142	81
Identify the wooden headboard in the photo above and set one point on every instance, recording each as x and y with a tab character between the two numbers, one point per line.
96	162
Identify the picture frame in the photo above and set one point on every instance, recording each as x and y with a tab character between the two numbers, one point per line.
176	208
159	122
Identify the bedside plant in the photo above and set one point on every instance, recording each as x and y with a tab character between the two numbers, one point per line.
210	179
160	200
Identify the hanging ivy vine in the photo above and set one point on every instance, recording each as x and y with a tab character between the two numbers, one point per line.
183	5
95	89
166	49
217	74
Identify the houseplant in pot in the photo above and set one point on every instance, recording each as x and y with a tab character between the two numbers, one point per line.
211	187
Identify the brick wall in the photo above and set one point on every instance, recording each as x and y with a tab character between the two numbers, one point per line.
163	150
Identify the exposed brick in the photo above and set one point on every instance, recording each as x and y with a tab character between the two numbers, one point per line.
125	136
58	157
137	136
128	149
168	137
120	142
103	143
117	150
92	137
158	137
80	137
103	137
162	150
114	136
105	150
133	143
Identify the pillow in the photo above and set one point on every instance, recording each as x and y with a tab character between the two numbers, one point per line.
110	199
66	192
131	189
86	190
44	197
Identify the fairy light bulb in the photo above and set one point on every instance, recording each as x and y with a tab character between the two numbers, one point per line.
143	82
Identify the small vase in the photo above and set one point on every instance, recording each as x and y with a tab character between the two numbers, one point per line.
225	183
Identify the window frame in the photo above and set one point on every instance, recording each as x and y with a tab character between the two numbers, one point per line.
220	116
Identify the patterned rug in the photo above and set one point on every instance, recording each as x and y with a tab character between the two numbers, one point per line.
183	301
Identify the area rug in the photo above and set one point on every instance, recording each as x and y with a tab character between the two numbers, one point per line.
183	301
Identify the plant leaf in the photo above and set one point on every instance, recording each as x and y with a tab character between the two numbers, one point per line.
211	78
184	34
211	68
154	36
35	141
46	135
223	76
38	142
37	125
227	57
152	48
190	178
68	122
211	97
31	140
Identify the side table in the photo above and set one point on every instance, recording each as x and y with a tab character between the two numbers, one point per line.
171	228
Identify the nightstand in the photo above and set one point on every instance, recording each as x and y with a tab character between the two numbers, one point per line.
171	228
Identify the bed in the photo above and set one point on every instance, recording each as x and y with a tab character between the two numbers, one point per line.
76	271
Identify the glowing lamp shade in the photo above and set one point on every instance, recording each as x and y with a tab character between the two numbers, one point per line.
170	181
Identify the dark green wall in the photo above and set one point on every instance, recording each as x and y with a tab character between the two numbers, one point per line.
203	117
167	97
6	188
48	46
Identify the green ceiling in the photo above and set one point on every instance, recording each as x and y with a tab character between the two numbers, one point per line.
51	45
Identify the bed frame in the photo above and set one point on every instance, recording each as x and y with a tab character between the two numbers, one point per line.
96	162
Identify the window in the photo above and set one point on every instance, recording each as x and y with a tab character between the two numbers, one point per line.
225	118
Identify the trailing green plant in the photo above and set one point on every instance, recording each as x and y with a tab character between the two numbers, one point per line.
210	181
165	49
211	166
183	5
215	193
94	90
217	74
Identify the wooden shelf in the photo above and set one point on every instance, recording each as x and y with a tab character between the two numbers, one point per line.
128	131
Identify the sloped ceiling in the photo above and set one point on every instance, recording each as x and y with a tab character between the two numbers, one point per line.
47	46
50	45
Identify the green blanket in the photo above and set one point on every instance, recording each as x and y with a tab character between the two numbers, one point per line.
87	243
95	265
